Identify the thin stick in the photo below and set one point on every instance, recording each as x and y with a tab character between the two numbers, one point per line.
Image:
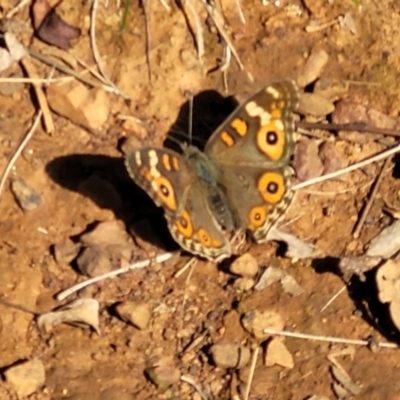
191	261
13	11
40	96
331	339
18	151
147	13
360	223
95	50
140	264
240	12
165	4
353	167
251	373
190	381
67	70
217	18
36	80
333	298
187	6
356	126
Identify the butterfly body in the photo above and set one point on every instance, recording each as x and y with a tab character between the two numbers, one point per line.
241	182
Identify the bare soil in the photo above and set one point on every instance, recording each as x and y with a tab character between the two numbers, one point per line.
273	45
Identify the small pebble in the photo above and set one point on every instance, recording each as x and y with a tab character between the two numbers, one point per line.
93	262
314	104
255	322
276	353
230	355
162	371
244	284
27	198
245	265
330	158
137	314
66	252
313	67
307	163
26	378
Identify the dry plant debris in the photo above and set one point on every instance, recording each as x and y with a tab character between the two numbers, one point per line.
81	311
50	28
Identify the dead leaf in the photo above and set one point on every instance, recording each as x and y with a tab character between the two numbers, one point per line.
81	311
50	28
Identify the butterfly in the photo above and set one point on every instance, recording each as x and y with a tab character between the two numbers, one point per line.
240	182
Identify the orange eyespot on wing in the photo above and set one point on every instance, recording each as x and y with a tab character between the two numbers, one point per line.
257	217
165	192
206	240
184	224
271	186
271	140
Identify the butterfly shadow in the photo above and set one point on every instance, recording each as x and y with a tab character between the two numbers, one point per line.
198	118
106	182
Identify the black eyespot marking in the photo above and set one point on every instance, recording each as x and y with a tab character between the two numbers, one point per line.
272	187
164	190
257	216
272	137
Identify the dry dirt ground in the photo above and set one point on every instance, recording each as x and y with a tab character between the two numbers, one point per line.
204	307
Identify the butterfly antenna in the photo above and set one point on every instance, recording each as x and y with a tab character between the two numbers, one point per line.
190	123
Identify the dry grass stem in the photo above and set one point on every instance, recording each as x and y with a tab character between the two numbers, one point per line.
331	339
18	151
43	81
240	12
190	381
18	7
147	13
189	8
333	298
351	168
181	271
251	372
140	264
67	70
41	97
360	223
219	23
165	5
95	50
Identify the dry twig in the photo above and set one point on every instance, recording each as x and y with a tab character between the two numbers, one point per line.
331	339
251	372
41	97
95	50
140	264
18	151
350	168
371	199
